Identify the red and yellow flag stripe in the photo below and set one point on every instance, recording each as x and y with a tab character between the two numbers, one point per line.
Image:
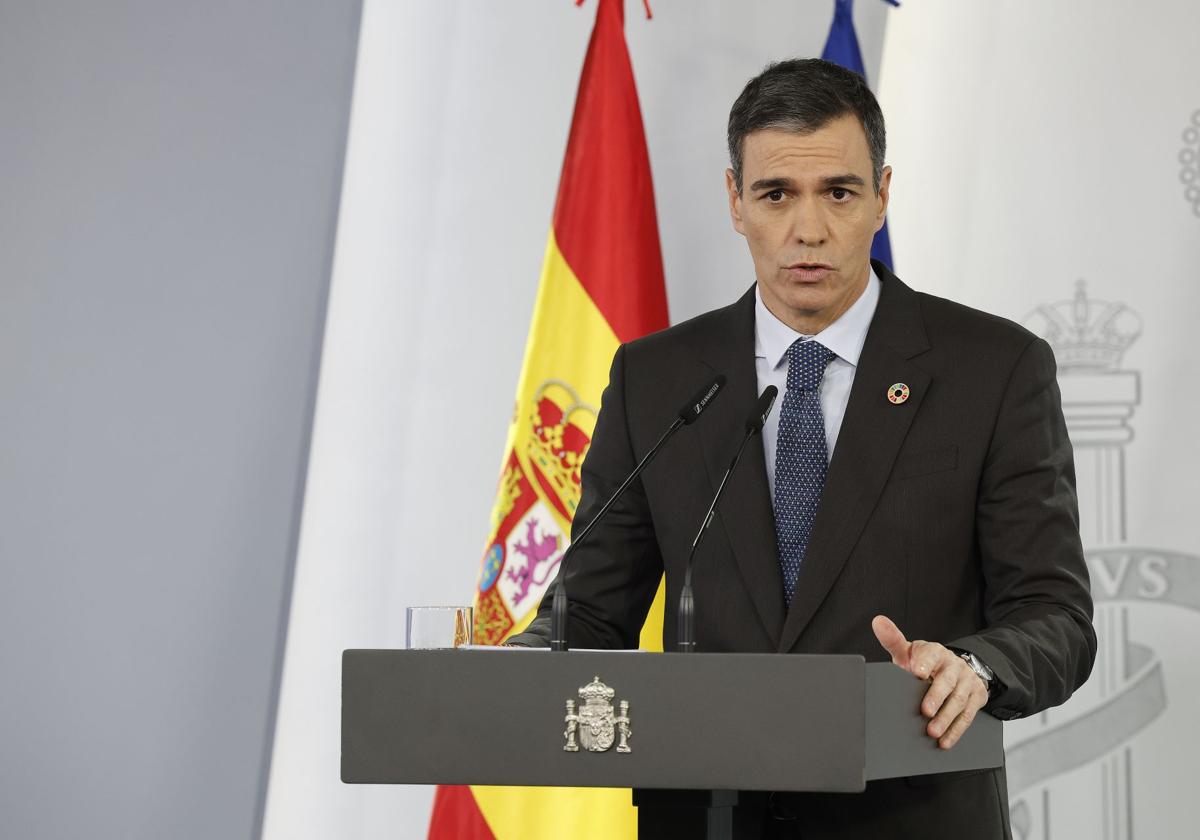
601	284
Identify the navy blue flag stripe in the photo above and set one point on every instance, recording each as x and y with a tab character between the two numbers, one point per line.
841	47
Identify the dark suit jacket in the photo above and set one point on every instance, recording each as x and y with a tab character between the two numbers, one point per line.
953	513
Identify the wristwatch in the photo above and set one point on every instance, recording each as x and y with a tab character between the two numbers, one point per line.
983	671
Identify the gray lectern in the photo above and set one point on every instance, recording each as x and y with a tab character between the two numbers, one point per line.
685	731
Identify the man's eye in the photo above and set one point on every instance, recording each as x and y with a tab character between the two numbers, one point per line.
775	195
840	194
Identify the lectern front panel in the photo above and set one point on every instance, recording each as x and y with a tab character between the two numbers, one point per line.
709	721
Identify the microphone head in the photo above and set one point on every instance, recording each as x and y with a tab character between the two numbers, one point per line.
762	408
696	405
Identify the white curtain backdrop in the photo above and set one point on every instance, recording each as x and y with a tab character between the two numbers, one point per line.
1044	153
459	121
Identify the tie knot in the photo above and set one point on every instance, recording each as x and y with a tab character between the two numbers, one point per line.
807	361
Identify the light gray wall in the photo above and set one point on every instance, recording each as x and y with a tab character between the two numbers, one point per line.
169	182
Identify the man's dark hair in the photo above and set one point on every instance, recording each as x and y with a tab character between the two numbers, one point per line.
803	95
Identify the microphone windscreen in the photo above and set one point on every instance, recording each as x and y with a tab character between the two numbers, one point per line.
696	405
762	408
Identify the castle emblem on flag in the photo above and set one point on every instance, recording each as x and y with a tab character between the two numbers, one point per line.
596	726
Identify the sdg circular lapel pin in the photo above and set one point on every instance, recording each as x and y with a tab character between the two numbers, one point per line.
898	393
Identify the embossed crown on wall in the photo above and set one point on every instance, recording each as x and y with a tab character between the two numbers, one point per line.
1189	162
1086	334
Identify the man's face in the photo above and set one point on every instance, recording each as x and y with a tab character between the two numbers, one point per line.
809	211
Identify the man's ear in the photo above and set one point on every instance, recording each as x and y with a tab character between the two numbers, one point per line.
885	186
735	202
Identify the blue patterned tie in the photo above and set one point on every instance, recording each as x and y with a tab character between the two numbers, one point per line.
800	457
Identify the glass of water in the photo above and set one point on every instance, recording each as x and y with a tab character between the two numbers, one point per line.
429	628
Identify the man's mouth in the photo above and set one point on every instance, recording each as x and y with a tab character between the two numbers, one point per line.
809	272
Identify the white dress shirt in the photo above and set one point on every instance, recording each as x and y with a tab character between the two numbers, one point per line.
845	337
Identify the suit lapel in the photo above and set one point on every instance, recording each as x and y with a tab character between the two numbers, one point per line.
872	432
745	512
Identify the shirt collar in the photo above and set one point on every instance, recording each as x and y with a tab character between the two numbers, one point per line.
845	336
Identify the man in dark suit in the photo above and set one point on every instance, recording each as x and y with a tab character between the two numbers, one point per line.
917	473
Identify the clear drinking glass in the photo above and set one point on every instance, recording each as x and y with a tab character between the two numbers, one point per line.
428	628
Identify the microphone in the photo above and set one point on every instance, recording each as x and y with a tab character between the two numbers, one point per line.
686	416
686	643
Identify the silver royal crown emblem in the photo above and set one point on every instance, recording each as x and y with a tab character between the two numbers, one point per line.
595	725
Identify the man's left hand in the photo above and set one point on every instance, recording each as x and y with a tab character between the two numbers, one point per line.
957	693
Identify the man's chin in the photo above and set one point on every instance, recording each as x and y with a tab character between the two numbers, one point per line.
808	301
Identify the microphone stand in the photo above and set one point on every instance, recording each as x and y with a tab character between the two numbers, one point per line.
685	417
558	607
686	642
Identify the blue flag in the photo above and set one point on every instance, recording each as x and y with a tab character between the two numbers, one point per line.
841	47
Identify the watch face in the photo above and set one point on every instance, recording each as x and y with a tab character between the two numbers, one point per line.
984	672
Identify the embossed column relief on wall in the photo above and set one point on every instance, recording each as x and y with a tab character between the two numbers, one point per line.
1071	768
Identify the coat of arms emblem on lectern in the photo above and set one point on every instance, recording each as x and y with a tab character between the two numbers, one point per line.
595	725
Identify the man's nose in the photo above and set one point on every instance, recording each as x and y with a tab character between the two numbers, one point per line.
809	225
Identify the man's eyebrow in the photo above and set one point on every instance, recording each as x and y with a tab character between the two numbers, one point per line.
847	180
771	184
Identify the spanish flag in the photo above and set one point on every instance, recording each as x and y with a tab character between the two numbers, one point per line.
601	284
